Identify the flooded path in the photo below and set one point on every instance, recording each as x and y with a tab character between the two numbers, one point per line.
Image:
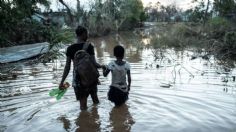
180	95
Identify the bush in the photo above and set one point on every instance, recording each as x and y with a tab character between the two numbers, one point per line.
25	32
183	30
63	36
219	22
230	39
227	50
217	27
166	41
179	36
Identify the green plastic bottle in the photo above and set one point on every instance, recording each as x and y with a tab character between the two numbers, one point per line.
61	94
58	93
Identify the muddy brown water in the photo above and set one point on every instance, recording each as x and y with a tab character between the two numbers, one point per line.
181	95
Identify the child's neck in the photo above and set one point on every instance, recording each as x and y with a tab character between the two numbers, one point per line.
79	40
119	61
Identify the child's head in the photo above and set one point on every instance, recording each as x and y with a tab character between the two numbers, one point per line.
82	33
119	51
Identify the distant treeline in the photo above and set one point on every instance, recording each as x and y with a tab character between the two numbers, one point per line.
210	27
202	12
23	21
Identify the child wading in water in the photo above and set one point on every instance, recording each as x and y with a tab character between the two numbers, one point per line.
119	90
81	90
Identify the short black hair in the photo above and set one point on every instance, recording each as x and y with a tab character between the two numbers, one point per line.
80	30
119	51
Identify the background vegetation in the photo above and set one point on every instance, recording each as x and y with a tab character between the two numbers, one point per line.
18	25
210	26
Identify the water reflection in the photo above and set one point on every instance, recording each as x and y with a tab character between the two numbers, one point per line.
205	102
121	119
66	123
133	46
88	121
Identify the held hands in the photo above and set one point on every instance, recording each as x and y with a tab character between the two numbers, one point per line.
105	70
103	67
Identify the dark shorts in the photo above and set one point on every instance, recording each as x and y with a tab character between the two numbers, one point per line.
83	93
117	96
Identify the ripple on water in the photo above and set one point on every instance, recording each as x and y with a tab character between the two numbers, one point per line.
196	104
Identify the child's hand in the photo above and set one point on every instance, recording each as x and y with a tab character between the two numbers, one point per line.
64	86
105	71
104	67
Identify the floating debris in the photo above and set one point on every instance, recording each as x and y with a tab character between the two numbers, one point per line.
165	85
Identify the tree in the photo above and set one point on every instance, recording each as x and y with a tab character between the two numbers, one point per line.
159	12
171	11
128	13
114	14
200	13
206	12
225	8
71	16
16	16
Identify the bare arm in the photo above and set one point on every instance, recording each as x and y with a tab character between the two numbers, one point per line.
105	72
129	79
95	62
66	71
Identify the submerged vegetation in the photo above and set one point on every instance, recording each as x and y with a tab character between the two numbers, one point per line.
213	34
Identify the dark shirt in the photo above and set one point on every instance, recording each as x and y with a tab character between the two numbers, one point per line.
72	49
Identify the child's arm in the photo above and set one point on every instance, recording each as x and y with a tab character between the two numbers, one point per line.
95	62
65	72
105	71
129	79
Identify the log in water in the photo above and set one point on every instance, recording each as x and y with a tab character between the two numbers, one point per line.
16	53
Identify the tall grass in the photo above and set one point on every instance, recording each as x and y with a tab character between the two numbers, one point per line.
217	37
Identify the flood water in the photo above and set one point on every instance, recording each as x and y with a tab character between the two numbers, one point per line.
181	95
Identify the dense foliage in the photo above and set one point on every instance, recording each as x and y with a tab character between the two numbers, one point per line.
17	25
210	26
160	13
112	15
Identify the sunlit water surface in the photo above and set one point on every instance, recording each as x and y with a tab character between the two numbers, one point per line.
182	95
